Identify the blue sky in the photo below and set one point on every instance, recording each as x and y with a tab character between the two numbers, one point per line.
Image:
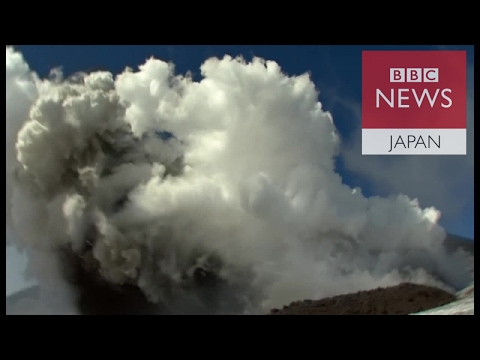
336	70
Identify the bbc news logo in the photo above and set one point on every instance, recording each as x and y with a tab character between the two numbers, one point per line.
413	75
428	75
414	103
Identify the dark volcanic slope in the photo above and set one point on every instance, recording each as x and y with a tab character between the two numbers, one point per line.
403	299
99	299
398	300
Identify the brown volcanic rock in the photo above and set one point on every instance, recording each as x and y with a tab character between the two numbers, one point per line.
96	298
403	299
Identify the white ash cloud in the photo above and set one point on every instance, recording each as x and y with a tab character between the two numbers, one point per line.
246	188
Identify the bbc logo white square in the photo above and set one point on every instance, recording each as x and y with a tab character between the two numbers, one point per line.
397	74
413	75
430	75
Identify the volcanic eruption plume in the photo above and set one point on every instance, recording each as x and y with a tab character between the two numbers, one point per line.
212	196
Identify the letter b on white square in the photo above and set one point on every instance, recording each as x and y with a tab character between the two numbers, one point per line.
430	75
414	75
397	75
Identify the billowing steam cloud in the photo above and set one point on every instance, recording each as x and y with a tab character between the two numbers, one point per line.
218	195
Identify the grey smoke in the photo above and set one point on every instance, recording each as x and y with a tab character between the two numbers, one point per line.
239	211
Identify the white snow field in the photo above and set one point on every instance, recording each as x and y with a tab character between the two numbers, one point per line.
463	306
